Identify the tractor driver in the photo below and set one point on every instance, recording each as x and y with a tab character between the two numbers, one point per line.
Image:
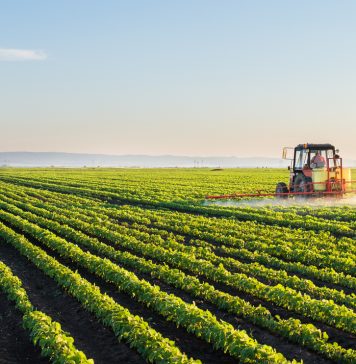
318	161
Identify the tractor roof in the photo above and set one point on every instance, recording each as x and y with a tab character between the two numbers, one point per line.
314	146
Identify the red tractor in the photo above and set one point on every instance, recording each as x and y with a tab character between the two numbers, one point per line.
315	170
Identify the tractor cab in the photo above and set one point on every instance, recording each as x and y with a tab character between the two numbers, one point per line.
310	156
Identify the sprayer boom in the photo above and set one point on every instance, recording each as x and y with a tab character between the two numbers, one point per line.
280	195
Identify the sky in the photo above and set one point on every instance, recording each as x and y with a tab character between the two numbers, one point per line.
198	77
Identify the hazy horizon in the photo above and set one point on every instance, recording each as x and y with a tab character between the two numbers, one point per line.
42	159
202	78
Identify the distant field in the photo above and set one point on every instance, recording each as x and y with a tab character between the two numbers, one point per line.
137	267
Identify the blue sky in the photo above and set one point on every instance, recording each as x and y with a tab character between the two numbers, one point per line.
183	77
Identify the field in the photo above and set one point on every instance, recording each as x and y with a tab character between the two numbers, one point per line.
135	266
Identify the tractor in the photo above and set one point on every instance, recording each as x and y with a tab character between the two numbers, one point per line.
316	170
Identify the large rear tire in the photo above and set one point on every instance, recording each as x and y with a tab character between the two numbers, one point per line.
303	184
281	188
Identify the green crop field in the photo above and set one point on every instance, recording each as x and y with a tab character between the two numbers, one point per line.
134	265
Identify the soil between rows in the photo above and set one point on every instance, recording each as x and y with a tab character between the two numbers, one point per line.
188	238
97	341
15	344
343	338
290	350
333	333
263	336
214	284
188	343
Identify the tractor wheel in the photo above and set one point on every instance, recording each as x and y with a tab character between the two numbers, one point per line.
281	188
303	184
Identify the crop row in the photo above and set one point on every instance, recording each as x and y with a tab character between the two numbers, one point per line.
202	323
132	329
316	219
323	244
55	344
135	193
324	311
202	229
257	270
181	224
340	260
345	212
292	329
143	220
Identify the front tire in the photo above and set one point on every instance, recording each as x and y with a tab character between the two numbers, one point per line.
281	188
303	184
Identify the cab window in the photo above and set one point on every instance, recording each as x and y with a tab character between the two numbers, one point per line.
324	153
301	158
